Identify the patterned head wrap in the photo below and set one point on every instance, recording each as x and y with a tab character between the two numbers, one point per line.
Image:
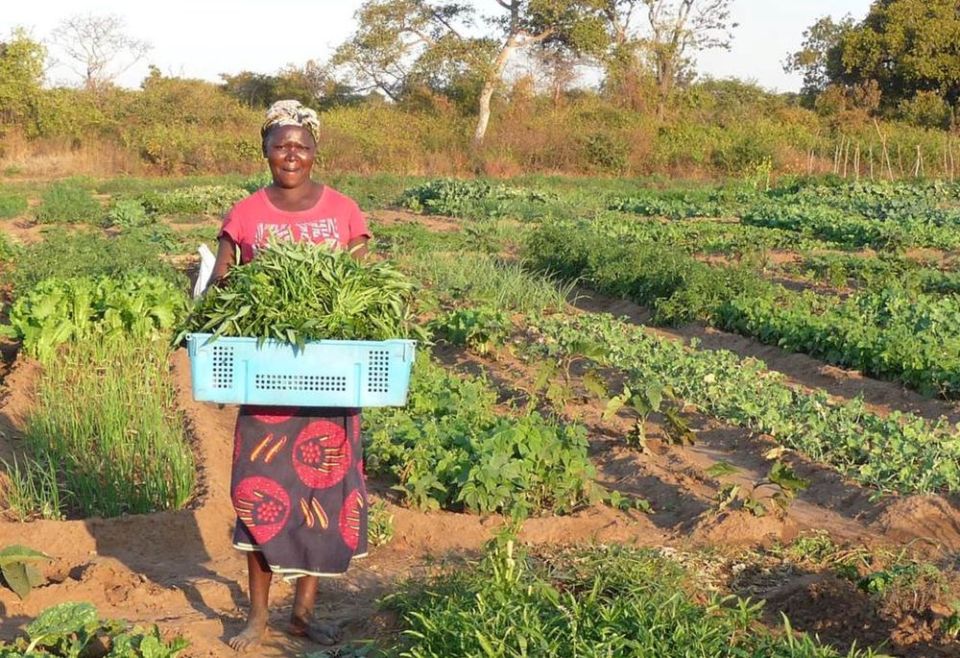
291	113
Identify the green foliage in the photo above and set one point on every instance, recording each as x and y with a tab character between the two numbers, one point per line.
607	153
94	254
126	213
892	332
203	200
588	603
12	205
295	292
652	397
59	311
479	329
379	524
106	416
66	202
900	452
473	199
488	280
677	286
450	448
74	630
926	109
906	46
33	489
18	569
21	75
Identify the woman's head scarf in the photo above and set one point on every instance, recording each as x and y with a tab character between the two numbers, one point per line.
290	113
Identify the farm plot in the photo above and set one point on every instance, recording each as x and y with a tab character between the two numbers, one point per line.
588	486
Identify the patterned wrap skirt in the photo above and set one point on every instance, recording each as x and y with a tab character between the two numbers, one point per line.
298	488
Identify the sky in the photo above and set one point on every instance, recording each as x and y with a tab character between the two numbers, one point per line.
204	38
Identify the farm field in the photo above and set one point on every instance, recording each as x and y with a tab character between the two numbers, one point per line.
655	419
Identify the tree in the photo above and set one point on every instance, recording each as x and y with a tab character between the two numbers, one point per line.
906	47
401	44
819	58
97	47
672	32
21	75
311	84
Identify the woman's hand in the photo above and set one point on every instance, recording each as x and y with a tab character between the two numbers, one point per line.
358	248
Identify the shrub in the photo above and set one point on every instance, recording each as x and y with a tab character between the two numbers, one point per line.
66	202
607	153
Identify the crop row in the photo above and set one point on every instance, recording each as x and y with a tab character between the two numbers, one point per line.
876	273
892	333
452	448
900	452
851	230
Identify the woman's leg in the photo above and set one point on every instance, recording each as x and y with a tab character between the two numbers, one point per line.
258	574
301	619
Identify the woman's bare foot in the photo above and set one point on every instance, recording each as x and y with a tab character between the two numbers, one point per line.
319	632
252	634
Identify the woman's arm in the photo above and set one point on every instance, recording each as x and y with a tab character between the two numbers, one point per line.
226	258
358	247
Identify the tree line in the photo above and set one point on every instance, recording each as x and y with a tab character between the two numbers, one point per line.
446	63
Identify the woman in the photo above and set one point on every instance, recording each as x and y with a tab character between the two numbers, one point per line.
297	483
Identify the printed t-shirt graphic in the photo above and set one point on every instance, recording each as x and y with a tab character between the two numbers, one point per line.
255	222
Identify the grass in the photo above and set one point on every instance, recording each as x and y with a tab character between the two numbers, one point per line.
464	264
93	253
12	205
485	278
68	203
587	603
106	415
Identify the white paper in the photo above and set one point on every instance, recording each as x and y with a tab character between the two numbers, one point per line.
207	260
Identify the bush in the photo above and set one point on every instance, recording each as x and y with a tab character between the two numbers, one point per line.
607	153
12	205
67	203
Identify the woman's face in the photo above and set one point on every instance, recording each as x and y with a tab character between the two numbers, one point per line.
290	151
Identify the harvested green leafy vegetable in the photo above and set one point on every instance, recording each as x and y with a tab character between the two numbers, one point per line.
295	292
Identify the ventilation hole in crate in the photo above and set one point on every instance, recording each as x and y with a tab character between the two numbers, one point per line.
319	383
222	367
378	372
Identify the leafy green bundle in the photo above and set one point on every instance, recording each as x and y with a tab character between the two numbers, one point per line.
295	292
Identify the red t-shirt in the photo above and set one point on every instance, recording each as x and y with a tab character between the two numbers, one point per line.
253	222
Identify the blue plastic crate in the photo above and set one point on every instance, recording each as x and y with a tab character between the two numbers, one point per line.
325	373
